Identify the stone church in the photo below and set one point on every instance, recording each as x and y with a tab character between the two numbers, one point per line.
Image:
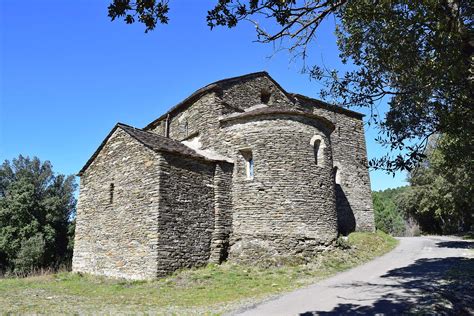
238	168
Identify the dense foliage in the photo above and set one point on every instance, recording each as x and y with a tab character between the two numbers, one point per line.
388	217
417	55
441	196
439	199
36	209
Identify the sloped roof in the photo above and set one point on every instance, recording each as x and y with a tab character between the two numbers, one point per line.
152	141
277	110
328	106
217	86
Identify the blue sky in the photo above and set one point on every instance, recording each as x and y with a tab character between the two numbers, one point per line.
68	74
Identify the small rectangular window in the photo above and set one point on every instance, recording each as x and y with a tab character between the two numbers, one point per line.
249	163
250	168
186	128
111	193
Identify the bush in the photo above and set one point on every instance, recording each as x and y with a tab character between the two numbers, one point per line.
387	216
31	255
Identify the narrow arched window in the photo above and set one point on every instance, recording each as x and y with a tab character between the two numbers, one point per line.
318	150
186	128
249	162
337	175
250	168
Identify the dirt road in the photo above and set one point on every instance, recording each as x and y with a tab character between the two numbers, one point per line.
413	277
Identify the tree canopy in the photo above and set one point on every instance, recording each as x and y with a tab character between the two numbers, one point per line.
439	199
441	196
387	215
416	55
36	212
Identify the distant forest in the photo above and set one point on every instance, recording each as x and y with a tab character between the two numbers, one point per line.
439	199
389	217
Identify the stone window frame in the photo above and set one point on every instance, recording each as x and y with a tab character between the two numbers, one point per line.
337	170
247	155
318	144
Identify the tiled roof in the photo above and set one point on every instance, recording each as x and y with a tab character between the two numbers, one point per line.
152	141
328	106
276	110
216	86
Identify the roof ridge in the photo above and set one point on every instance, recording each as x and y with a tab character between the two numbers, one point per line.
249	75
130	126
275	110
209	87
328	105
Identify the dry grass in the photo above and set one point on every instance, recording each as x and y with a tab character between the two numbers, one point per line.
209	290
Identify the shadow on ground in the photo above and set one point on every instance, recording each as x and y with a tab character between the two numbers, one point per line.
440	286
456	244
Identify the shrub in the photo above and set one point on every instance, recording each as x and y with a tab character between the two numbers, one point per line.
31	255
387	216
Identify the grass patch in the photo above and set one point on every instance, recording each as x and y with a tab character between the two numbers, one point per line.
468	235
208	290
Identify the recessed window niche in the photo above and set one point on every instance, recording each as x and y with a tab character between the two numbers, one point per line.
249	163
265	96
318	148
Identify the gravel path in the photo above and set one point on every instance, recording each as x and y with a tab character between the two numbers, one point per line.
412	277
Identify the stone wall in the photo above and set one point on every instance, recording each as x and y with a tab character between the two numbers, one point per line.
223	210
354	199
200	120
288	207
117	232
143	213
247	93
186	216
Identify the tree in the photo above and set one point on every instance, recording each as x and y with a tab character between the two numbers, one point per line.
388	217
441	196
417	55
36	209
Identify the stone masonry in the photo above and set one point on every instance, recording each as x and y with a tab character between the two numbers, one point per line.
238	169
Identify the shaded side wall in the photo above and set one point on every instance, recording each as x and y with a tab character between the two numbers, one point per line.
118	238
186	217
223	205
354	199
289	206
